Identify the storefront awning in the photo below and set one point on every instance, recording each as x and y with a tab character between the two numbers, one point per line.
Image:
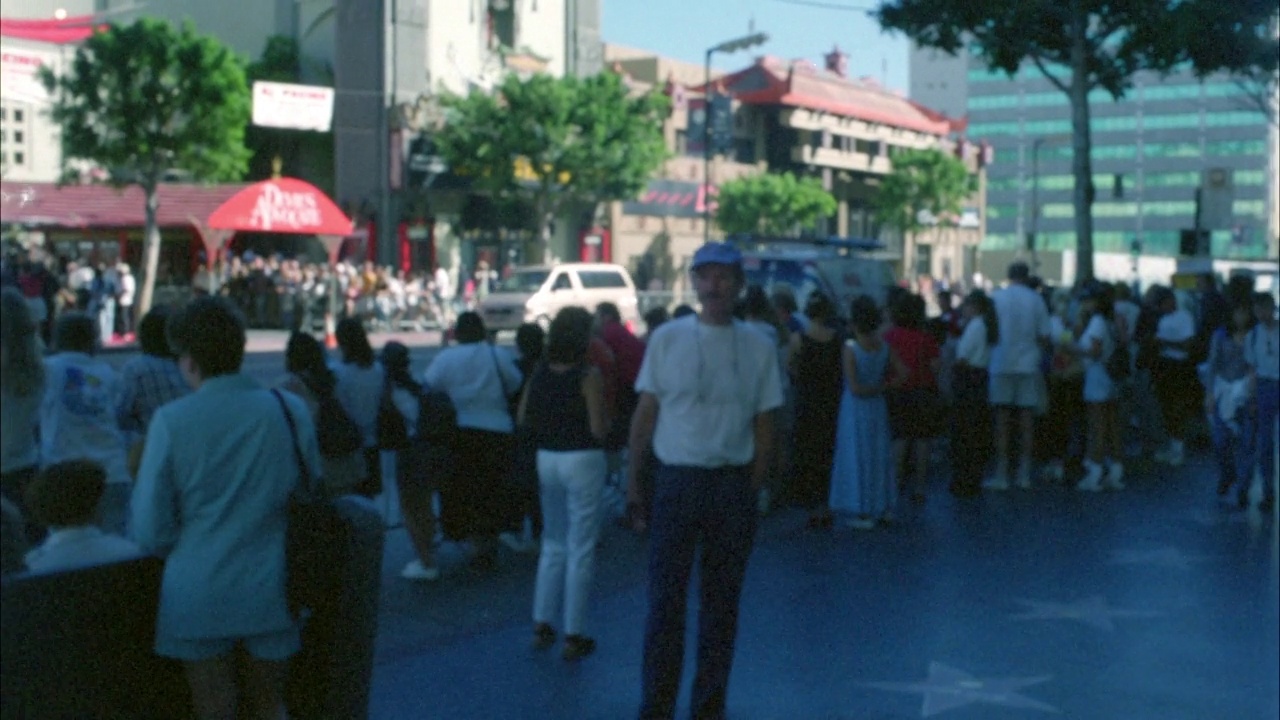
96	207
281	205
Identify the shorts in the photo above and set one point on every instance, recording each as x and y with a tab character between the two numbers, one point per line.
1021	390
269	647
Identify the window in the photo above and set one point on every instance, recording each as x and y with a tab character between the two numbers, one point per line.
524	281
18	136
562	282
3	136
601	279
17	115
4	114
19	158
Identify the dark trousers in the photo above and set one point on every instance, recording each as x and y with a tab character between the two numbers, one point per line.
714	511
970	430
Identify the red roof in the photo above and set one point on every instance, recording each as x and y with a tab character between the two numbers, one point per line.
59	32
102	206
771	81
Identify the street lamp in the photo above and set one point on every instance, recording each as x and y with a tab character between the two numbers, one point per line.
729	46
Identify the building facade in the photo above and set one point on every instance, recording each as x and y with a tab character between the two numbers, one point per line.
1151	151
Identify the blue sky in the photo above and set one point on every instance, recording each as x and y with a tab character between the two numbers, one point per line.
684	29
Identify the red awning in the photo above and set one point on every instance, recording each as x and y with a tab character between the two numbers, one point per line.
45	205
60	32
283	205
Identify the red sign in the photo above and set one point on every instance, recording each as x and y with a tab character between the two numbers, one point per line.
283	205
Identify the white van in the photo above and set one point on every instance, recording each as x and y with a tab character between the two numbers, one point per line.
534	294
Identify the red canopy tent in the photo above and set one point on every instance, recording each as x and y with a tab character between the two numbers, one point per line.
280	205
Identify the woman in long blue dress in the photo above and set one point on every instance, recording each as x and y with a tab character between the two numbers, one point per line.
862	482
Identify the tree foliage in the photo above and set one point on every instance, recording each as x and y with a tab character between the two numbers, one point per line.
146	98
555	143
1082	45
773	204
926	189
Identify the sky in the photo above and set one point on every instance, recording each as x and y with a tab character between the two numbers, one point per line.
684	29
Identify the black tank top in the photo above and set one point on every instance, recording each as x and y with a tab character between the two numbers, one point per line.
557	411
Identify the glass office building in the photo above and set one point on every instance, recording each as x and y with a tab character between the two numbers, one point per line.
1150	151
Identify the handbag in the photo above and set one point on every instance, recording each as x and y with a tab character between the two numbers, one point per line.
312	575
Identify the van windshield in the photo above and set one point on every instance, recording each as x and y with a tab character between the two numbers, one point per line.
524	281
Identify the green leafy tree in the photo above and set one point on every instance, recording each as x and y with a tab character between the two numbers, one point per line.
924	192
1083	45
555	143
147	98
774	204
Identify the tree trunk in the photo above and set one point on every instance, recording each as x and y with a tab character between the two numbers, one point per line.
150	252
1082	162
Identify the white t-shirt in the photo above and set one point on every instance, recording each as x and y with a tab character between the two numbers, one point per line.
972	347
710	383
78	414
359	392
478	378
1023	319
1097	329
1177	326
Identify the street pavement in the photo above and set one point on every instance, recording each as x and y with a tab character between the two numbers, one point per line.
1154	602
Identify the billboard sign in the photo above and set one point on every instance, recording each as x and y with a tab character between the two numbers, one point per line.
20	74
295	107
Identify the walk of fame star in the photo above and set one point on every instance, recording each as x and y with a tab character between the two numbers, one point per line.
1169	557
1092	611
947	688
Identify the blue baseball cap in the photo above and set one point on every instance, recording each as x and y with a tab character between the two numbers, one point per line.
717	253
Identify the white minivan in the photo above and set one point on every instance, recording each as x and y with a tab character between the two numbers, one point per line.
534	294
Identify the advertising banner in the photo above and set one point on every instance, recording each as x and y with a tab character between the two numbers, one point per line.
295	107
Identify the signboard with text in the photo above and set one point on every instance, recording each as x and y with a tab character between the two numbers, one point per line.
295	107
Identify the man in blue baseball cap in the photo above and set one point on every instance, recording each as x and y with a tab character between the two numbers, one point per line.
708	389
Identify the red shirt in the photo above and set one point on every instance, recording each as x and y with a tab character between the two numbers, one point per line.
917	350
628	351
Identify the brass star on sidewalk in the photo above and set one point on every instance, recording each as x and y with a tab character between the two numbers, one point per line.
947	688
1093	611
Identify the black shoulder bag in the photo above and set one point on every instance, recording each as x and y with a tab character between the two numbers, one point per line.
312	572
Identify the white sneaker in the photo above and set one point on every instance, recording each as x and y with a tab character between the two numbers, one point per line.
415	570
1115	477
1092	478
996	483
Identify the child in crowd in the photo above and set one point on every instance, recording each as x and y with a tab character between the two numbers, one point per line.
65	497
862	480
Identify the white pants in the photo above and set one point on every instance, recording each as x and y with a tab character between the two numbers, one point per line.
571	485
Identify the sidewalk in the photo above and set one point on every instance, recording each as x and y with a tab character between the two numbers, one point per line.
1152	602
274	341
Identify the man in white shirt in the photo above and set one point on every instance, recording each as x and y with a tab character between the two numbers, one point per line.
1017	386
1174	373
708	389
78	413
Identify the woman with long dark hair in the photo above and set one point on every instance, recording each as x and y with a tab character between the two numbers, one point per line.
418	465
360	384
915	409
309	377
564	408
817	376
971	422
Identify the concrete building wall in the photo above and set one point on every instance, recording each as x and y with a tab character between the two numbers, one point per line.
30	143
938	81
542	29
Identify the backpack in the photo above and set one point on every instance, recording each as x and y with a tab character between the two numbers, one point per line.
1118	365
337	434
437	418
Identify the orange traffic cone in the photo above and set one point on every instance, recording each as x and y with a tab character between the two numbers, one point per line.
330	337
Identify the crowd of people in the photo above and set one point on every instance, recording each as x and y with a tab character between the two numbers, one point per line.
713	418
